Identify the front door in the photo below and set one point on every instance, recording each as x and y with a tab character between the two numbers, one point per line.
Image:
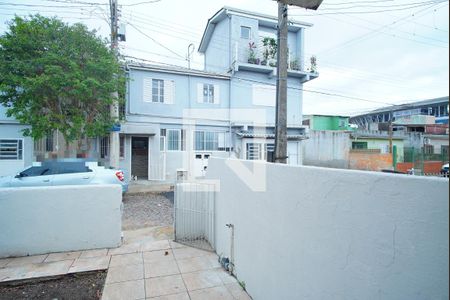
139	157
201	164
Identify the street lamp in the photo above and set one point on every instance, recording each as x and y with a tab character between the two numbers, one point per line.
308	4
282	66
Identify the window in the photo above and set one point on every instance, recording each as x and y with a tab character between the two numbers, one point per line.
11	149
269	151
428	149
246	32
208	93
176	139
49	142
158	90
104	147
359	145
254	151
210	141
122	146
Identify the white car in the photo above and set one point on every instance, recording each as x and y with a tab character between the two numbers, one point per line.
51	173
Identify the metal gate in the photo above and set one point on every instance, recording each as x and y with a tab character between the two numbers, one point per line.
194	215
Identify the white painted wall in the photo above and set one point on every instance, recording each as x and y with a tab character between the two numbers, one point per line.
64	218
317	233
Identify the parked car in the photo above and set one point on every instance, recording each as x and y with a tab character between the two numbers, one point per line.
51	173
444	170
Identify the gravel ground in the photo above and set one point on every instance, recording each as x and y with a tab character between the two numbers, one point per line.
147	209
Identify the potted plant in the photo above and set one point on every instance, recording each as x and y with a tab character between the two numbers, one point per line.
294	65
270	51
252	53
313	64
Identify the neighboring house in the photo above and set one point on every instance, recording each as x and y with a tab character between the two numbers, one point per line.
176	118
326	122
16	151
437	107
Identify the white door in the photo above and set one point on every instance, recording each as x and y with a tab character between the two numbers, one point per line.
201	164
292	149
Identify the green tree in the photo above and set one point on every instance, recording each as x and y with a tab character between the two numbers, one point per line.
56	76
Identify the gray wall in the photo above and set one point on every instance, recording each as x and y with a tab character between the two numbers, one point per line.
65	218
317	233
327	149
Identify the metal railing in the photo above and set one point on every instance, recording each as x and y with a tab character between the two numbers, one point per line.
194	214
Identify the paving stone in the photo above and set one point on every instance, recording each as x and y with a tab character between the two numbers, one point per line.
62	256
90	264
161	286
225	276
175	245
26	260
161	268
155	245
4	262
131	290
194	264
125	273
125	249
49	269
201	280
188	252
14	273
126	259
94	253
158	255
237	292
216	293
181	296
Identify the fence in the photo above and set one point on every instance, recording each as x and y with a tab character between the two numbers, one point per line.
194	214
426	164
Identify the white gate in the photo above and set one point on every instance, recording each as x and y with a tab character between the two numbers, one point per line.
194	215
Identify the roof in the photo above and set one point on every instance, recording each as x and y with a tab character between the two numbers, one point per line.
266	20
269	135
407	105
172	69
318	115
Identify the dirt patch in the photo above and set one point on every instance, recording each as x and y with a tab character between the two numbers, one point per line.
146	210
72	286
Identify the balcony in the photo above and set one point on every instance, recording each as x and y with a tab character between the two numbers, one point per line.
256	59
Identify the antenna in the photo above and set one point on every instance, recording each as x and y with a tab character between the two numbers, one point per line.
191	49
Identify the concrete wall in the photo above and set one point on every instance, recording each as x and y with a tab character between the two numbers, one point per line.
327	149
317	233
369	161
64	218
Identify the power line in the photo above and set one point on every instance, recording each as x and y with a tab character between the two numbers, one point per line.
155	41
378	6
369	12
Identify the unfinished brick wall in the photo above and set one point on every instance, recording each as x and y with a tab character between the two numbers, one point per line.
369	161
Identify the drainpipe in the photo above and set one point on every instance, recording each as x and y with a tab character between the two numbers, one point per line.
231	265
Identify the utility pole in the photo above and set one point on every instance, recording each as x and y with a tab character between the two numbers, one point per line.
281	104
282	66
114	140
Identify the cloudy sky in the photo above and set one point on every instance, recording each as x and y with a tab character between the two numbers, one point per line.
369	52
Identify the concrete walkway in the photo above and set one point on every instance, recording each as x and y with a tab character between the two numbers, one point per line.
142	268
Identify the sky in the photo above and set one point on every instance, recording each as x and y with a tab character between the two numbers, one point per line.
370	53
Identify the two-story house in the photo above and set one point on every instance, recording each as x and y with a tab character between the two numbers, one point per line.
176	118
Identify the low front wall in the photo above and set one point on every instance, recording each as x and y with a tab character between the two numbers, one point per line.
41	220
369	161
317	233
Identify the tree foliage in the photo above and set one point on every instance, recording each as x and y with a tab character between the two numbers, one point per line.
58	76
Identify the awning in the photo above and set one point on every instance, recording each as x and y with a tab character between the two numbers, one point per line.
142	129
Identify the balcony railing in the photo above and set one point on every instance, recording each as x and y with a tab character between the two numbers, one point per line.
256	58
